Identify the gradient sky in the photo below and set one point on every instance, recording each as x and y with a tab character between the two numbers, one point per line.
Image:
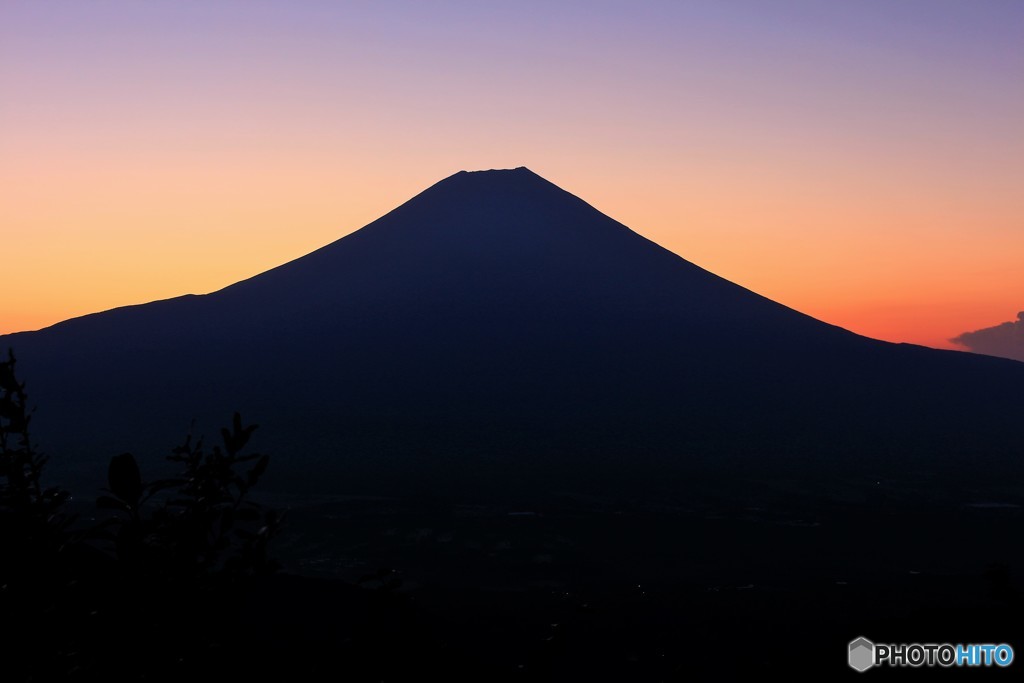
861	161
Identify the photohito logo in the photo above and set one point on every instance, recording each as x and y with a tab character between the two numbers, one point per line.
863	654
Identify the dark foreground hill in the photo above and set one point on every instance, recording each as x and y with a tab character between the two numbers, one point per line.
496	333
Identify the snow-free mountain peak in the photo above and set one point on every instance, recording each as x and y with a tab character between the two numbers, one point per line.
497	332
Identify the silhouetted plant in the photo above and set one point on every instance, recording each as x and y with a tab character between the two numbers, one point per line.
206	524
36	576
32	515
167	601
33	524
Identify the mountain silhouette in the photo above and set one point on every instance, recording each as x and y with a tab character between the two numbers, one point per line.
498	333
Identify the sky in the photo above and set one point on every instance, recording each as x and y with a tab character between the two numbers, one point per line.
861	161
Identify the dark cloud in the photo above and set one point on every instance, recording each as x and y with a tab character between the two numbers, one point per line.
1006	340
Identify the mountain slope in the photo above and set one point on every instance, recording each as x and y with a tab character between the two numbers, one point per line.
496	331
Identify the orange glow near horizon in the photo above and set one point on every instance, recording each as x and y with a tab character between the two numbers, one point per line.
860	164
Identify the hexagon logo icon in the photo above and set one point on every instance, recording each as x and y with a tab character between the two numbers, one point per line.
862	654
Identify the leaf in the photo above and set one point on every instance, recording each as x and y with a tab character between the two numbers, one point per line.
257	471
237	437
229	439
124	479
